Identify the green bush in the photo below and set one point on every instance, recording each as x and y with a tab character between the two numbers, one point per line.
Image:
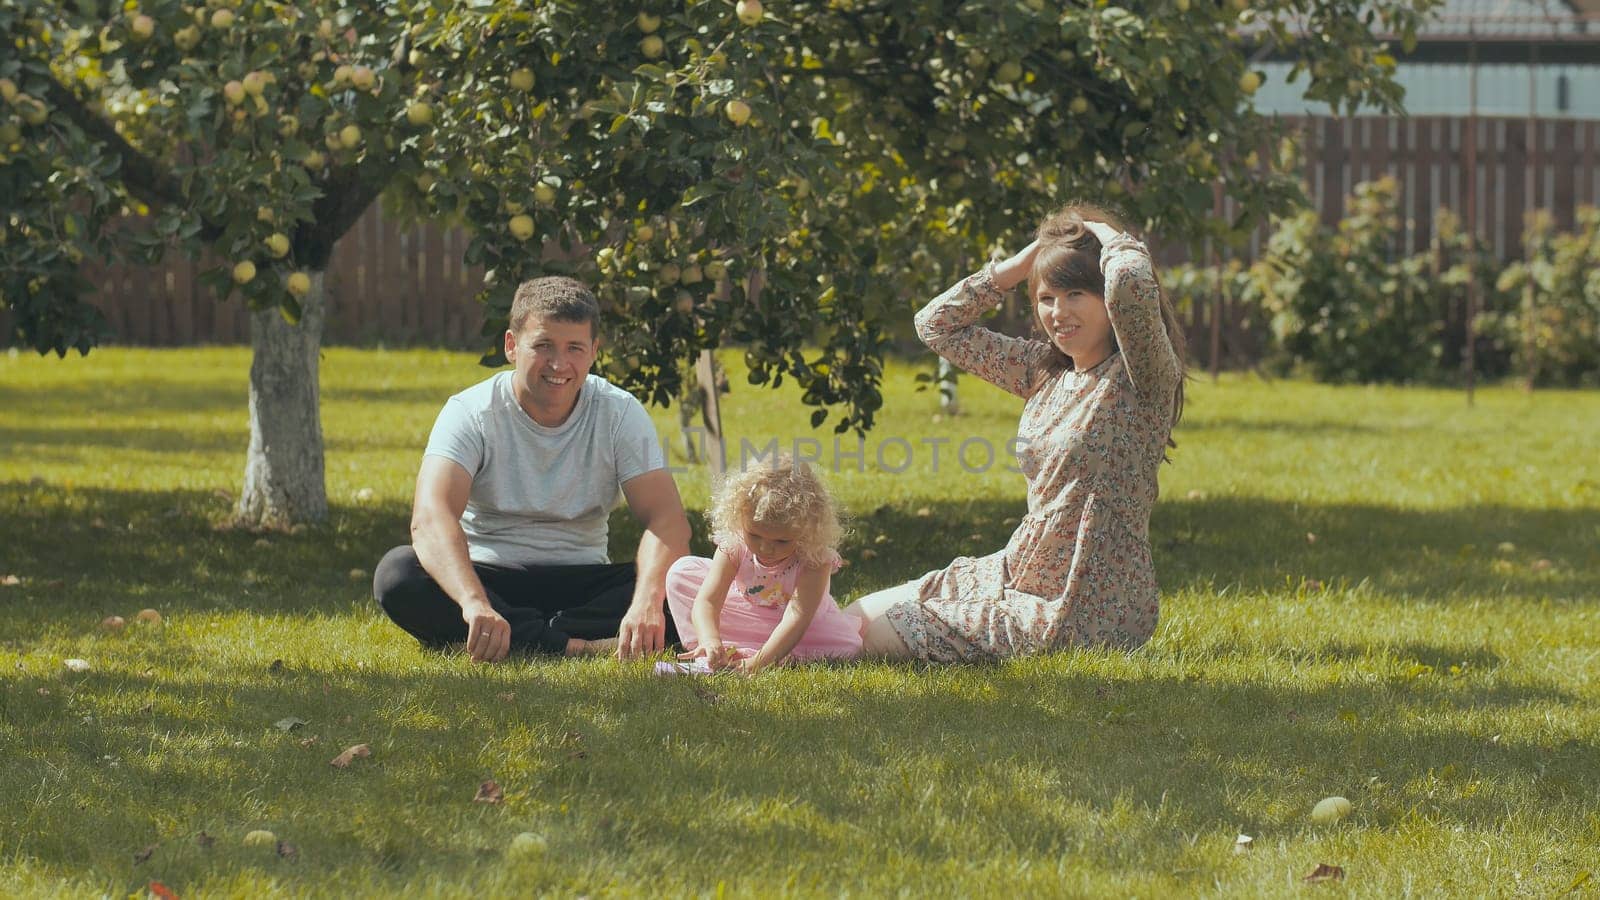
1552	319
1339	306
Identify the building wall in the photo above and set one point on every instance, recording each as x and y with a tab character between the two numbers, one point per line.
1443	89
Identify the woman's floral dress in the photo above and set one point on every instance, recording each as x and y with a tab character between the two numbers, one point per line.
1077	571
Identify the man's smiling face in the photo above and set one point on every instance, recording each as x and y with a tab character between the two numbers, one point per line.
551	359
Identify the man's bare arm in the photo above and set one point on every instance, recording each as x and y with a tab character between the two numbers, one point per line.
442	491
653	499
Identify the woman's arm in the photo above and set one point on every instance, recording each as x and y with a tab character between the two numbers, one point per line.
809	588
1133	302
948	325
707	611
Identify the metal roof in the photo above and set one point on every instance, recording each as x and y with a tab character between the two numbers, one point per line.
1486	18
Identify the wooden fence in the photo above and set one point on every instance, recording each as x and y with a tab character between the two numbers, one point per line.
408	285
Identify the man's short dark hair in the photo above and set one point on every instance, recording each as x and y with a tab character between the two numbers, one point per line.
555	297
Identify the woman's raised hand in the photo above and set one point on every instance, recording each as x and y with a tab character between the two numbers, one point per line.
1014	271
1102	232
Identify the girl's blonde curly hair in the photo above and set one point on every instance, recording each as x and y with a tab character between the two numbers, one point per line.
784	492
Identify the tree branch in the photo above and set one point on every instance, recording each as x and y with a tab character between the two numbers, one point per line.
144	178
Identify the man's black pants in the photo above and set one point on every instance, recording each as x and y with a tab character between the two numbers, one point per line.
546	605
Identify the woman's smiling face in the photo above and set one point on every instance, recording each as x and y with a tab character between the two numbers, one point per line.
1076	321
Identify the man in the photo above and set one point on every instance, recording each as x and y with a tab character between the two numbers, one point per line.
509	525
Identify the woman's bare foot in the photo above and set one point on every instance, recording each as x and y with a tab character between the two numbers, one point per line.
581	647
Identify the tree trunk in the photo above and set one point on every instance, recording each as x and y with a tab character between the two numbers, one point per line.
283	477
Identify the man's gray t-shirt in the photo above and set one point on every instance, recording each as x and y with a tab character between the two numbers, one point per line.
542	496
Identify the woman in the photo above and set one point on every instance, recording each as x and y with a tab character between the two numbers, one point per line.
1104	388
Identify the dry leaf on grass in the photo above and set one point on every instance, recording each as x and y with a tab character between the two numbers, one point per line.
287	850
351	754
10	580
306	742
204	840
145	854
161	891
78	665
1324	872
1244	843
506	697
489	792
289	723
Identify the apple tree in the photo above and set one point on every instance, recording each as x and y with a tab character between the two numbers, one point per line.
781	177
789	177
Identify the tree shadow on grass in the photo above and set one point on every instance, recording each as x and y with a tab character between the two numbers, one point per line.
1043	753
101	551
1262	545
1034	758
72	444
1286	427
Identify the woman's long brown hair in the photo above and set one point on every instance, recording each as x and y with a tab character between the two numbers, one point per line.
1069	260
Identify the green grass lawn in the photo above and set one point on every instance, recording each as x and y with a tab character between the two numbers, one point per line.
1377	593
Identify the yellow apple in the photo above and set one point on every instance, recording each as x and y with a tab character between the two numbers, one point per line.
419	113
255	83
544	194
222	18
277	244
1183	6
1330	810
521	227
299	284
670	273
8	90
325	29
748	11
692	275
738	111
1079	105
363	78
716	270
341	75
261	838
1249	82
113	623
314	160
350	136
522	80
142	27
187	37
425	182
34	112
243	273
288	126
1009	71
233	92
645	234
9	134
648	23
148	617
652	47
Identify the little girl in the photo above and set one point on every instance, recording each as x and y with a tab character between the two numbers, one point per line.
763	598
